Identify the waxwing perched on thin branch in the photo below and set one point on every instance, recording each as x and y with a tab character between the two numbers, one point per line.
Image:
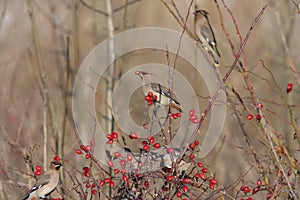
45	184
205	34
162	93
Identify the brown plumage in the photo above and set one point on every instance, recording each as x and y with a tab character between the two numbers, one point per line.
45	184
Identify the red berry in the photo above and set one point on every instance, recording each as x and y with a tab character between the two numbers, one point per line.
109	136
82	147
146	184
179	194
87	148
289	88
78	151
116	171
140	164
93	185
147	98
193	117
211	186
258	117
156	145
192	156
86	171
260	105
38	168
151	140
192	146
196	142
170	178
186	180
191	112
154	98
195	121
255	190
247	190
129	157
169	150
122	162
145	126
150	103
178	114
94	192
125	178
204	170
117	154
110	163
200	175
87	185
88	156
146	147
200	164
109	142
114	135
107	180
185	188
213	181
174	116
37	173
133	136
250	116
144	142
150	94
268	196
111	184
259	182
56	158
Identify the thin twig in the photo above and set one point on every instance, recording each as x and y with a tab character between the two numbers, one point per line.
265	127
92	8
214	97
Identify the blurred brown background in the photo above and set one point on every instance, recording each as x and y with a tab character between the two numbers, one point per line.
37	46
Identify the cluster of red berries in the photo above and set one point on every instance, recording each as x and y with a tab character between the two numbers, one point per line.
107	181
148	144
86	149
247	190
92	186
150	98
38	170
176	115
193	118
258	116
192	147
185	182
111	137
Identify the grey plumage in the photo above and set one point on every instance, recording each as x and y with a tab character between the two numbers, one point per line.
205	34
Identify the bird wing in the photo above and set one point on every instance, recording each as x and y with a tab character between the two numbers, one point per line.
207	32
43	180
164	91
